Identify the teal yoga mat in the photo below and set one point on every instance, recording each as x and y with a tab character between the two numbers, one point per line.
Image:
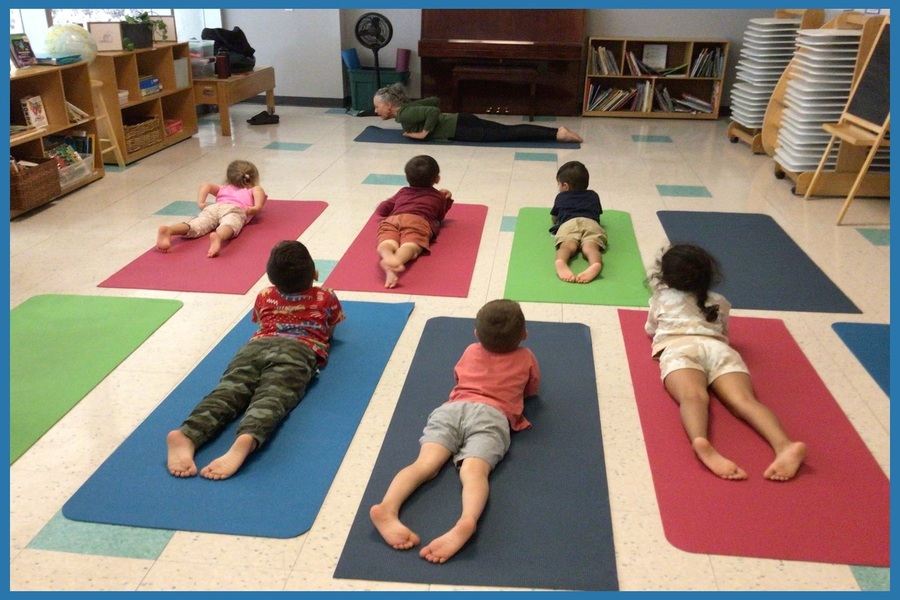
531	276
547	523
62	346
870	343
279	490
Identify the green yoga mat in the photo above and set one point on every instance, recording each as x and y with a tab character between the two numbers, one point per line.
532	277
61	346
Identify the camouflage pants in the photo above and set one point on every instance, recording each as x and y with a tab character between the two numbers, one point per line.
265	380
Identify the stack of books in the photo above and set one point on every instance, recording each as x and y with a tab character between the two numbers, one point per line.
33	109
149	85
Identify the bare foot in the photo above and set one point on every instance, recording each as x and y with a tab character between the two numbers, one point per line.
390	273
397	535
786	462
442	548
227	465
163	239
564	134
589	274
563	271
181	454
215	245
715	462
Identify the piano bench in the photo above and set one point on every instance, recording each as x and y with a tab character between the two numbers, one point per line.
507	75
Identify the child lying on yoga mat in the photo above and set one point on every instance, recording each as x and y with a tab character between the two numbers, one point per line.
576	223
689	325
268	376
236	203
412	217
493	378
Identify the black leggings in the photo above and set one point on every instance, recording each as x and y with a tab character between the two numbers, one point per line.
470	128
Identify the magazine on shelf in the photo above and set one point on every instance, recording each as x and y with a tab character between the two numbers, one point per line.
20	50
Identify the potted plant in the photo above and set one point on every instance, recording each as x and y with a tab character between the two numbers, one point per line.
137	31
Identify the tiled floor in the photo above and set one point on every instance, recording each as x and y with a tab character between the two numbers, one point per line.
639	166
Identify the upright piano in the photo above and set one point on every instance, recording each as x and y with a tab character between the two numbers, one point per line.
549	41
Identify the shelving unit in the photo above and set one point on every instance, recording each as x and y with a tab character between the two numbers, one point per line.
140	124
686	82
55	86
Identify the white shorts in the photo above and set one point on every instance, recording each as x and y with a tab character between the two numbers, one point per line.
219	213
713	357
469	429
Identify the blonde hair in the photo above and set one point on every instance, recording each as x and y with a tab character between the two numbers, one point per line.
242	174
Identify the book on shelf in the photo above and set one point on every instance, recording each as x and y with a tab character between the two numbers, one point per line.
75	114
17	132
78	140
693	104
654	55
64	155
58	60
674	71
20	50
33	109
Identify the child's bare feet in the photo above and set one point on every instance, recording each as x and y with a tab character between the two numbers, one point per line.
163	238
397	535
390	273
715	462
215	245
442	548
228	464
563	271
564	134
181	454
589	274
786	462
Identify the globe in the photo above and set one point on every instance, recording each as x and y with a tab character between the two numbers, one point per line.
68	39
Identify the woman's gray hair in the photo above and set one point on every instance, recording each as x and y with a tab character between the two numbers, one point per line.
394	94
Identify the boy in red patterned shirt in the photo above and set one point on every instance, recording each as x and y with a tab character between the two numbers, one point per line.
268	376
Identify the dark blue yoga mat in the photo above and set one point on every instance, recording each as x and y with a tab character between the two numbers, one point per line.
279	489
547	523
764	268
870	343
394	135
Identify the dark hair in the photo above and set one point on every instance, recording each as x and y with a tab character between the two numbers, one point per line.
499	325
690	268
290	268
422	171
575	174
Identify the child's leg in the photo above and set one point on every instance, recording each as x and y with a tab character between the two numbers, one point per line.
165	232
735	390
688	388
594	256
222	234
473	474
386	514
564	254
393	258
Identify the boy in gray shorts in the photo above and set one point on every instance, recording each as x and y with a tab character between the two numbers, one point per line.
494	376
576	223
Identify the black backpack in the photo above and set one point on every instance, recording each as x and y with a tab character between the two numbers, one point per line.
234	42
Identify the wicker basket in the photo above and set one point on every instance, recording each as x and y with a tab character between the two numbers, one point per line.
30	187
143	134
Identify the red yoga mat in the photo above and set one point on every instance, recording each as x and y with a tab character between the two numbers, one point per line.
239	265
835	510
445	271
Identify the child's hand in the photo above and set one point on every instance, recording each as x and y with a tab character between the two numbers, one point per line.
447	194
252	211
202	205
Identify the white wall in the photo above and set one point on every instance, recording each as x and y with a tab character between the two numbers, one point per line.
407	27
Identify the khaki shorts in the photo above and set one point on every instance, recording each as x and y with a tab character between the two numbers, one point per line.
469	430
702	353
214	215
405	229
581	230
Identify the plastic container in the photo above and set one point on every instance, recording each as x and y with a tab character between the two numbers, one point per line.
363	85
201	48
202	68
123	96
75	172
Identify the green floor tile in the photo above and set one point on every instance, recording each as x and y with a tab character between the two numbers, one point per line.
651	138
382	179
878	237
509	224
537	156
180	207
64	535
684	191
294	146
872	579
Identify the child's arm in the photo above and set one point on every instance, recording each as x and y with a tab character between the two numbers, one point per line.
206	190
385	208
651	325
259	198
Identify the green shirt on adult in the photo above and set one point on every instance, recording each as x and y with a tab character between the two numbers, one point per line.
425	114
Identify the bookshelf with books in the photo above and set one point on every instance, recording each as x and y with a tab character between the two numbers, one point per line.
48	106
160	89
654	78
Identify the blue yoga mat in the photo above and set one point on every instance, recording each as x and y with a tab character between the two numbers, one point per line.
763	267
381	135
279	489
547	523
870	343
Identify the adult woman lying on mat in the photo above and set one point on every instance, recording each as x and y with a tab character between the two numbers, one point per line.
689	325
423	120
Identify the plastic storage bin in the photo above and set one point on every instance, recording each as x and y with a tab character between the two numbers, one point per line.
363	85
202	67
75	172
200	48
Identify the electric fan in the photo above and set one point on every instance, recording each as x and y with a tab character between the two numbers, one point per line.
374	32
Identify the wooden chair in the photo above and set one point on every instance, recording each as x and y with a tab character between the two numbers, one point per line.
104	127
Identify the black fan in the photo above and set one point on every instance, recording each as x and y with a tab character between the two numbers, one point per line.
374	32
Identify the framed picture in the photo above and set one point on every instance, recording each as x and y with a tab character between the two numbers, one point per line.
655	55
170	29
107	35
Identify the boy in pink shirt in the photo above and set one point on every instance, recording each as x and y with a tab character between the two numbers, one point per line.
494	376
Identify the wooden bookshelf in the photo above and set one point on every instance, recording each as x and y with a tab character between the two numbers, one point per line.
56	86
169	62
701	77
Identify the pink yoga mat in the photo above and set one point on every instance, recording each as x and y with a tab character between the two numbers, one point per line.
445	271
836	509
239	265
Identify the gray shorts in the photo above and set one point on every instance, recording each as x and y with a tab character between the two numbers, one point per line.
713	357
469	429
